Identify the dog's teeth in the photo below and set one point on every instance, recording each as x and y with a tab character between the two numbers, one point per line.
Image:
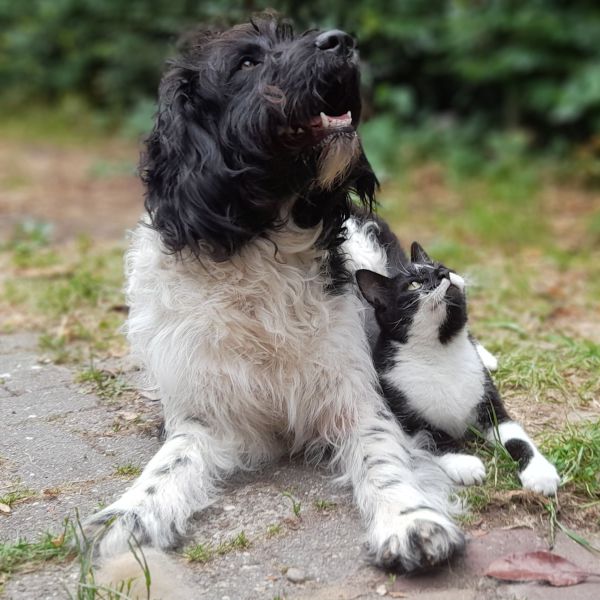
325	120
299	130
349	115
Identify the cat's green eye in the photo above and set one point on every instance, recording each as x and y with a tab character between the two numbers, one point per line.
414	285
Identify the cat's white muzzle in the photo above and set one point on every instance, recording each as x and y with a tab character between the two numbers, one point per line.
457	280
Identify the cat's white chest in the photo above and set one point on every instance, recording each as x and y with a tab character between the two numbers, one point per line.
443	384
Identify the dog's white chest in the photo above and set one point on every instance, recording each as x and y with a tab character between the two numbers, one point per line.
442	383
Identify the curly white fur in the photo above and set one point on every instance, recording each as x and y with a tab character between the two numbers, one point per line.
254	358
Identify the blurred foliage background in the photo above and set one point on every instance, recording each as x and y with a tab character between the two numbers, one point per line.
478	73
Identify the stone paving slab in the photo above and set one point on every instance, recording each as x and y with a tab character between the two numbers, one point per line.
72	445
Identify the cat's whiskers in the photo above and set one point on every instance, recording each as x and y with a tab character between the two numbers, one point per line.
438	295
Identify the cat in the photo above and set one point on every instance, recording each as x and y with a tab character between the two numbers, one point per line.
432	371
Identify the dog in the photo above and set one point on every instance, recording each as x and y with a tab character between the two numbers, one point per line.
242	306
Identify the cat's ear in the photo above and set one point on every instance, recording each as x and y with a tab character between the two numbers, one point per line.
374	287
418	255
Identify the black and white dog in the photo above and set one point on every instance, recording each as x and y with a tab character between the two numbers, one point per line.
241	307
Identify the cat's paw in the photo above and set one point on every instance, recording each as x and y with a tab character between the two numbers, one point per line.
540	476
414	540
490	362
463	469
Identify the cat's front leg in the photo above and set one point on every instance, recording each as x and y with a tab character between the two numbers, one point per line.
463	469
535	472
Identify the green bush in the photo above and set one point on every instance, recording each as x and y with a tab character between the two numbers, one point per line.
496	64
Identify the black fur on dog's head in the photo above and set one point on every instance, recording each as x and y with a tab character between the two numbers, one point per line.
239	136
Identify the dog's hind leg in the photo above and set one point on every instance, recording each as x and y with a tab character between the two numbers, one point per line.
401	492
177	482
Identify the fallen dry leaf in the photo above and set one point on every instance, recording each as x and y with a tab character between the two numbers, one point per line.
128	415
537	566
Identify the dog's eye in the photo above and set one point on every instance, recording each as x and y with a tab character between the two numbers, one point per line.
415	285
247	63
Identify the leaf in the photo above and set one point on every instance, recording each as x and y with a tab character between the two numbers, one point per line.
5	508
537	566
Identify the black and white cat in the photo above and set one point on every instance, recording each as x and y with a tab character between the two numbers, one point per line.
432	373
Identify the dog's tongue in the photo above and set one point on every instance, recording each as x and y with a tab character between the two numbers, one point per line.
329	122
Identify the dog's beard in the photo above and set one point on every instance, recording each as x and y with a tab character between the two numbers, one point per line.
337	158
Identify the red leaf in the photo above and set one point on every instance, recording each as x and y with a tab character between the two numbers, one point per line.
537	566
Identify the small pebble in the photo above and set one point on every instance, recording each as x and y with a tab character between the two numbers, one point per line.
295	575
381	590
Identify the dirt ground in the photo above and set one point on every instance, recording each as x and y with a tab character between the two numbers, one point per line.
92	190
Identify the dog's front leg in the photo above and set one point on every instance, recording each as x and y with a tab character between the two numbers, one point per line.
401	492
177	482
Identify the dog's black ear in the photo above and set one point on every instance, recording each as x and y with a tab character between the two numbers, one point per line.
185	173
418	255
365	182
374	287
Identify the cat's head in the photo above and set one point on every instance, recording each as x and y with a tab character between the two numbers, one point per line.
425	301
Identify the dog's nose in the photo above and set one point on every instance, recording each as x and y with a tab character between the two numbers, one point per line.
335	41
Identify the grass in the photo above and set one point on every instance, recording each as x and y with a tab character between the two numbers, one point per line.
296	504
576	453
274	530
22	554
205	552
18	495
104	384
75	302
128	470
556	363
324	505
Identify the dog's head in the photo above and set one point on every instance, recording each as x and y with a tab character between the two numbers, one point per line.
252	120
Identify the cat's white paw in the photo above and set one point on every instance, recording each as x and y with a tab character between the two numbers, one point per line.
489	361
412	540
540	476
463	469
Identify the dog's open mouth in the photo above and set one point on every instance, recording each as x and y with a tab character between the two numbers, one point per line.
318	128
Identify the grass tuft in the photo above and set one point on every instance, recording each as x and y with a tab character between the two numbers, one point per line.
324	505
128	470
18	495
203	553
103	383
16	555
274	530
296	504
576	453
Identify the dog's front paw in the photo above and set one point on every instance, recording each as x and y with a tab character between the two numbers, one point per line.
540	476
111	530
415	540
463	469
